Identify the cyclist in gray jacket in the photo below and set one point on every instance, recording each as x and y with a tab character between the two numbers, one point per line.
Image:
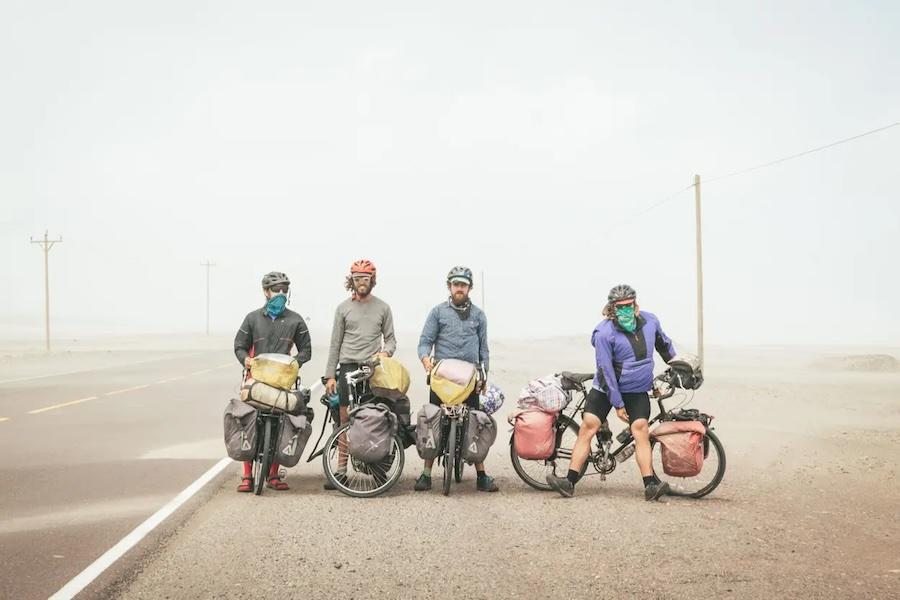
272	328
456	329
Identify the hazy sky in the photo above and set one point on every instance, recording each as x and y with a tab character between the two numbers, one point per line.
517	138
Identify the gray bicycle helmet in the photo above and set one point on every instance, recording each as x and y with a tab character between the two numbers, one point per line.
460	274
274	278
621	292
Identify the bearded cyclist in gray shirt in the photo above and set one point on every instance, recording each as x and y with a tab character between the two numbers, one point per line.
363	328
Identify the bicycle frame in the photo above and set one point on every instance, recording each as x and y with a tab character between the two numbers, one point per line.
604	452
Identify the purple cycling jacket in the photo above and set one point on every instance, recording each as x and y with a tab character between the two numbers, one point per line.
625	360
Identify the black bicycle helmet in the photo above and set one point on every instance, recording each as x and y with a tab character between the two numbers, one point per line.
274	278
460	273
621	292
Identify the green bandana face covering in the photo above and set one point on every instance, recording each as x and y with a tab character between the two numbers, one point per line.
625	317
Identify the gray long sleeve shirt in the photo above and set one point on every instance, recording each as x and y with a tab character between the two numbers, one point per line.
361	329
452	337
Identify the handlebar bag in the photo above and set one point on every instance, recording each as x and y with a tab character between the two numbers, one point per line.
277	370
682	447
240	430
263	395
371	432
390	379
478	436
292	437
428	432
544	393
533	434
453	380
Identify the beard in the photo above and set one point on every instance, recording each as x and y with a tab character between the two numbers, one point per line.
362	290
459	298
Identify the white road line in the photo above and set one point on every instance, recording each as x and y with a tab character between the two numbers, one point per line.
131	389
64	404
210	370
96	568
178	378
140	362
83	579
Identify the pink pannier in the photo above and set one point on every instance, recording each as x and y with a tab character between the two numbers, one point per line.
533	437
682	447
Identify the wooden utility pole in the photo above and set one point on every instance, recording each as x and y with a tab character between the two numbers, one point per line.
47	244
699	270
207	264
483	307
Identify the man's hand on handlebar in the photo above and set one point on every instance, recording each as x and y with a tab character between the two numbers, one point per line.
330	386
426	362
248	362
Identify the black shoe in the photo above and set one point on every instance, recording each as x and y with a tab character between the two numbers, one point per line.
655	491
562	485
486	484
341	477
423	483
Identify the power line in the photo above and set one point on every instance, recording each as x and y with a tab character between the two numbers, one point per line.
47	244
674	195
799	154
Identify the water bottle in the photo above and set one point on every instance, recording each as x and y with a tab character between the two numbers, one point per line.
625	454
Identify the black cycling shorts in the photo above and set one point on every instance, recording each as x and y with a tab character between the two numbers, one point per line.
472	401
637	405
342	387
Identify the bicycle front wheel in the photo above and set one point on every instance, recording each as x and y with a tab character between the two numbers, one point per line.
534	472
354	477
450	458
262	464
706	480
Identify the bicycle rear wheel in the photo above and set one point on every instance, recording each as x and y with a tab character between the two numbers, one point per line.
356	478
706	480
534	472
263	459
450	457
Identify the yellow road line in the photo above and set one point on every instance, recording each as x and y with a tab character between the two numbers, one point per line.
131	389
64	404
4	419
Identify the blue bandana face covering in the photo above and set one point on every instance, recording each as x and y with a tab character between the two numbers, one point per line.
625	317
275	305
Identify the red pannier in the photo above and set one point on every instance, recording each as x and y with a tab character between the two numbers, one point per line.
533	437
682	447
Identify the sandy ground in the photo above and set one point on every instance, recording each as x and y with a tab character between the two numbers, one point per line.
808	508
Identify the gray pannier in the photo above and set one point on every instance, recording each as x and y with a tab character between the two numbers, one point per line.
240	430
292	438
479	436
428	431
371	432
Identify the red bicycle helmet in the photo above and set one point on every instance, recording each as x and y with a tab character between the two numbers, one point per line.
362	266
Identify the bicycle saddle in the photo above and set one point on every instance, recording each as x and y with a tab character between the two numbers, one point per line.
572	381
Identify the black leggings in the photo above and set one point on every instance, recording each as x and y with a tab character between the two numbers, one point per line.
637	405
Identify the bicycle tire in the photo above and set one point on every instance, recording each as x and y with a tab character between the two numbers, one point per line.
450	457
395	470
263	469
677	485
460	465
520	465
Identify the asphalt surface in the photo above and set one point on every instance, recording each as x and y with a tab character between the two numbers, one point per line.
86	456
807	509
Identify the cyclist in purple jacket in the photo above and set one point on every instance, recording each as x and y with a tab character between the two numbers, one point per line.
624	344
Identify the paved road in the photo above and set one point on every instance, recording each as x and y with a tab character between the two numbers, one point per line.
87	456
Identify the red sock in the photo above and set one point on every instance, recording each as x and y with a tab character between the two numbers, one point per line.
273	471
248	468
